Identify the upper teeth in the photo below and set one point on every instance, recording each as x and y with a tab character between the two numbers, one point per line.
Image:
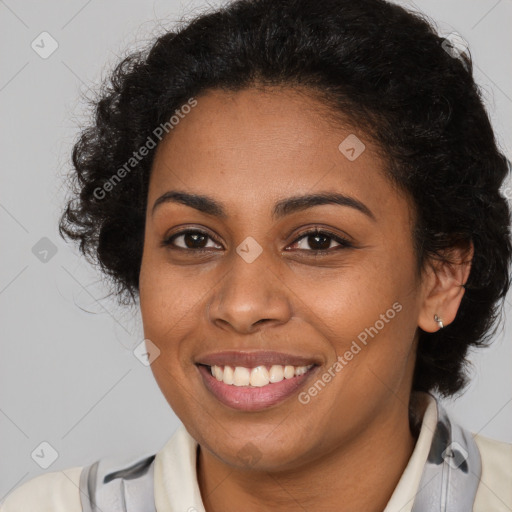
259	376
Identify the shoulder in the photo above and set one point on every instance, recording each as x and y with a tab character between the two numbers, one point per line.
495	489
108	482
56	491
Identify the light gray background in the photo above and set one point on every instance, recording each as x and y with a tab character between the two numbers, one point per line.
67	372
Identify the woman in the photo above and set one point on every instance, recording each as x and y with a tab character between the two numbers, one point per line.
304	197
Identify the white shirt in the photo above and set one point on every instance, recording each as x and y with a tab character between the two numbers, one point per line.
176	488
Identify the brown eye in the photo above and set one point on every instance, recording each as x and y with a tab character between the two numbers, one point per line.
320	241
189	240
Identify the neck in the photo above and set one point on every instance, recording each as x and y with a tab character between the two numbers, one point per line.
358	475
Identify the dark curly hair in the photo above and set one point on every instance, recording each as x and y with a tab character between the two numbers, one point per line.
381	67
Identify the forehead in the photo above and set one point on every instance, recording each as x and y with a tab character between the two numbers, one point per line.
260	145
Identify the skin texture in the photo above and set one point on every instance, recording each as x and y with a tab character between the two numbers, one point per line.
248	150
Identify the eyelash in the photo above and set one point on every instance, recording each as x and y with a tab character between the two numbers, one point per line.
344	243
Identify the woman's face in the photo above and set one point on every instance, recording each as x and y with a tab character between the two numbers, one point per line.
246	288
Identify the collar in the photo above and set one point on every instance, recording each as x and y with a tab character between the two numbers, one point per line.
423	416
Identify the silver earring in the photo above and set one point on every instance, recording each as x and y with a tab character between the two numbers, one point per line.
439	321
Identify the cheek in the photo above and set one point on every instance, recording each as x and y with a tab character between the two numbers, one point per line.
166	305
367	312
168	296
352	297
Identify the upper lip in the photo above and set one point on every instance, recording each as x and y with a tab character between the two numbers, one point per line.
253	358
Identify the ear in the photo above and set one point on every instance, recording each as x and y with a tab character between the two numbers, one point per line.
444	287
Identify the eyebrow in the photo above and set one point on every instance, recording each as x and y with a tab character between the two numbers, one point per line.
283	207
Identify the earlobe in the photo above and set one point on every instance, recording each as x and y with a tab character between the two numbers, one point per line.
445	289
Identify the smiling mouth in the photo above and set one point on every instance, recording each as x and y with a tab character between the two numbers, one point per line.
257	388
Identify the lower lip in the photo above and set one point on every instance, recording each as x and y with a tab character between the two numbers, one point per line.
249	398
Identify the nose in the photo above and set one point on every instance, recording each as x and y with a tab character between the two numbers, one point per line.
250	295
